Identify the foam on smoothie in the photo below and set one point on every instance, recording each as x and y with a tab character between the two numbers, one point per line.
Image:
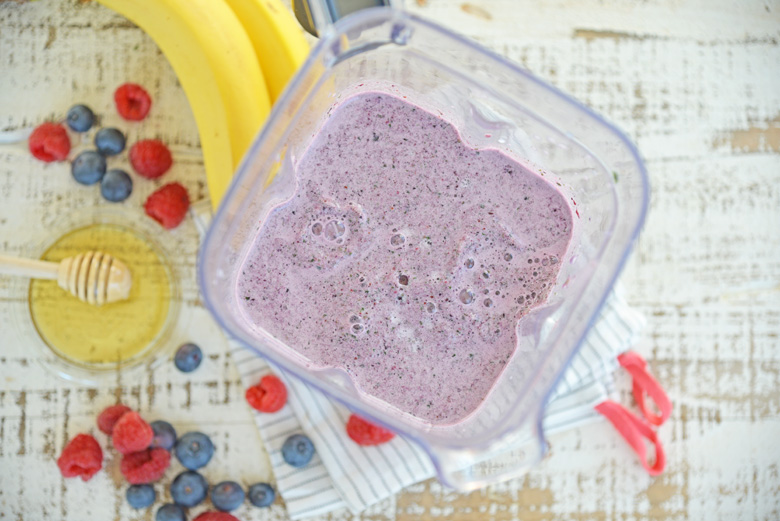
406	257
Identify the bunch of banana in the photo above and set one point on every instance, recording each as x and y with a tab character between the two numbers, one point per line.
233	59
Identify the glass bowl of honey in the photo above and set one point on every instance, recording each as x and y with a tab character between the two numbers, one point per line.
88	343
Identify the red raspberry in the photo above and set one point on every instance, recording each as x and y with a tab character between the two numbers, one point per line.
269	395
132	101
150	158
131	433
364	433
82	456
216	516
49	142
168	205
110	416
146	466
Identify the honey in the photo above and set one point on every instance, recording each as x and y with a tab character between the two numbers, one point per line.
115	333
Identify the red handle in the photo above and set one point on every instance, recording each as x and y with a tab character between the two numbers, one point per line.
633	431
645	384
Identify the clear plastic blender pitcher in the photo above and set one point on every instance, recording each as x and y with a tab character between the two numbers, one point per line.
493	104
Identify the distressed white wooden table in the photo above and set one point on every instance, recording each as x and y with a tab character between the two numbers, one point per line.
696	83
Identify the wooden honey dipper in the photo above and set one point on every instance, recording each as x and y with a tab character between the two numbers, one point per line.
94	277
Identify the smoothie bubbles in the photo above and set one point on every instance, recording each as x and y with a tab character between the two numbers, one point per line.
425	232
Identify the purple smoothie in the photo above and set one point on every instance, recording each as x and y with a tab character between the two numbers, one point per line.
406	257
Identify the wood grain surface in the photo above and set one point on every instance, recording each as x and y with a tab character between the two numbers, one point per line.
696	84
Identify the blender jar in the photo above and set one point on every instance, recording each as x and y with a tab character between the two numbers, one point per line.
493	104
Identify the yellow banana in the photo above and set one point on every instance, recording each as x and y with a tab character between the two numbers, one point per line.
217	67
276	37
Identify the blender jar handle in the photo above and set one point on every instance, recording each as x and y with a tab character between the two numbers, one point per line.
317	15
513	456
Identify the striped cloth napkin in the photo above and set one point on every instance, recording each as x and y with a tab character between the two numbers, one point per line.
343	474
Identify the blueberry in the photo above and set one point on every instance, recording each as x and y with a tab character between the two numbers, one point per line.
88	168
297	450
227	496
193	450
80	118
189	488
164	435
116	186
140	496
188	358
109	141
261	494
170	512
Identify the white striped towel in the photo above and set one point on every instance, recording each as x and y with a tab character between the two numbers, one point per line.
343	474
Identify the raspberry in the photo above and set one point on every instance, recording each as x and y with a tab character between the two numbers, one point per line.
110	416
269	395
132	101
82	456
145	466
168	205
364	433
150	158
131	433
49	142
216	516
